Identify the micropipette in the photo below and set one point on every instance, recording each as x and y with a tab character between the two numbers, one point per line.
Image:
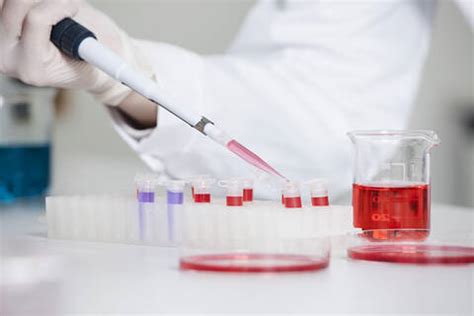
79	43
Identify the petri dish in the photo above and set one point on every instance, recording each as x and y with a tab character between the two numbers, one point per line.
272	255
253	262
257	238
446	249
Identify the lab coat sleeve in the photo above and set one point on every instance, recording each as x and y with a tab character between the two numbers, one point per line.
295	80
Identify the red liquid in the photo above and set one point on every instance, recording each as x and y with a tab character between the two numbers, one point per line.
395	234
319	201
192	192
253	263
248	195
202	198
244	153
234	201
377	207
418	254
282	199
293	202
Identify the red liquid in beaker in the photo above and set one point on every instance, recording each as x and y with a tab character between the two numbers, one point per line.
234	201
293	202
390	207
319	201
248	195
202	197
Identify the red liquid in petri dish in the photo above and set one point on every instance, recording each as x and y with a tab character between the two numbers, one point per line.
202	197
292	202
243	262
391	207
413	253
319	201
234	201
248	195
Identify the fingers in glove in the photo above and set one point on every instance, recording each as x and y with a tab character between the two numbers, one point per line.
12	14
40	20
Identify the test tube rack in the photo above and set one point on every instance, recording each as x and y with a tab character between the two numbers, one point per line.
124	220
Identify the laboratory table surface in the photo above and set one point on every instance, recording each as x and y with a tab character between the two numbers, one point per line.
54	277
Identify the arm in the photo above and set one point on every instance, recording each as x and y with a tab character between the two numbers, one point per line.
138	112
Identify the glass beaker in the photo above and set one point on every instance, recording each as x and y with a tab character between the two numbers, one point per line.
391	187
26	116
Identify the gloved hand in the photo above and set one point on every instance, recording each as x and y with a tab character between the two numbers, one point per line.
26	52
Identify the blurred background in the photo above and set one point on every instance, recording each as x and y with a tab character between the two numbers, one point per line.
89	157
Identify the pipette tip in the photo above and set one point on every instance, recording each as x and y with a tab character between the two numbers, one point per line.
249	156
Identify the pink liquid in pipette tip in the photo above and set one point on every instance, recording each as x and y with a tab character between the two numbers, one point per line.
244	153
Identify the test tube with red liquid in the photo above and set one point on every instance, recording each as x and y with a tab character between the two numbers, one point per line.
247	185
234	194
319	192
196	179
291	195
202	189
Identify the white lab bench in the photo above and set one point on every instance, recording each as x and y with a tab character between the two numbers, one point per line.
86	277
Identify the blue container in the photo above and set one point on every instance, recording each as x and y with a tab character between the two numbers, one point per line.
25	140
24	171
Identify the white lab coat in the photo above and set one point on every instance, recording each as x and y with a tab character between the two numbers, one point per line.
299	75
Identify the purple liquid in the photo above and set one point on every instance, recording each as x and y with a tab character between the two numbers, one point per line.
244	153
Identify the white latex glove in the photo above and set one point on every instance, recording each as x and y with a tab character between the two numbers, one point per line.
26	52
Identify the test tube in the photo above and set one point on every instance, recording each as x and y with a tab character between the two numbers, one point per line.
234	195
247	185
145	184
175	199
319	192
201	188
196	178
291	195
